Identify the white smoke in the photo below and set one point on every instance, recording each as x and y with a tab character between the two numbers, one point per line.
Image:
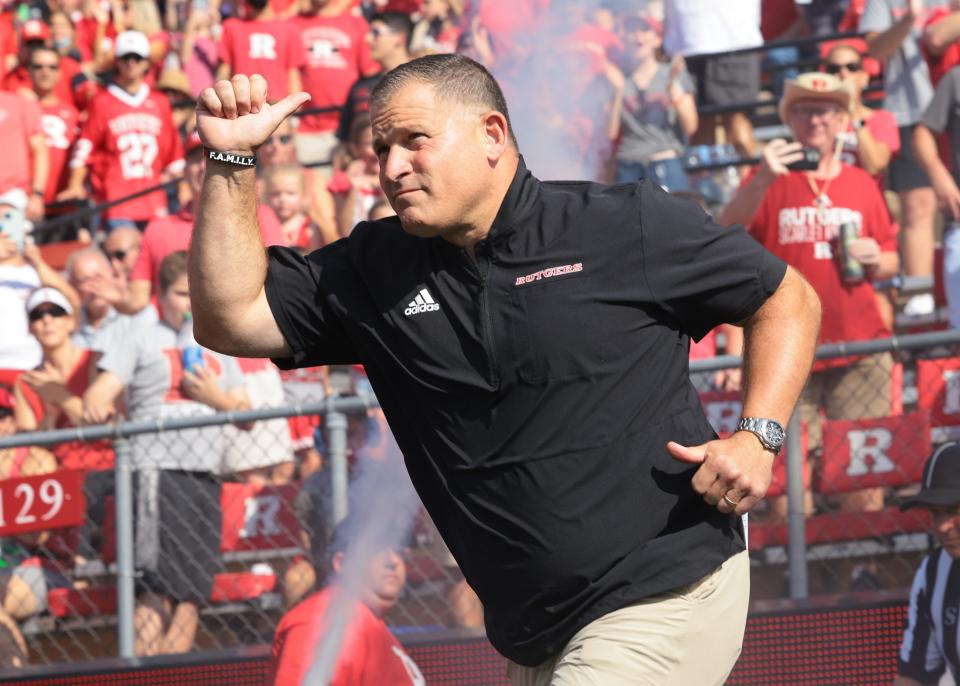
383	497
557	90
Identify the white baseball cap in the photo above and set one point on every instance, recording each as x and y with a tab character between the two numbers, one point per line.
131	43
15	198
48	295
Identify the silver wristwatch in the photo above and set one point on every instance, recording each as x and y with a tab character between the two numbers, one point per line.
768	431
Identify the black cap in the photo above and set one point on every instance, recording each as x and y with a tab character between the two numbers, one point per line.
941	479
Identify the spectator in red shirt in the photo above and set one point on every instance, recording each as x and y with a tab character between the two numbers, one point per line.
872	137
35	34
128	143
26	164
50	397
337	54
797	215
369	653
261	44
59	118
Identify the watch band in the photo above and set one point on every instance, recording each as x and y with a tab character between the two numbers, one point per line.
768	431
231	158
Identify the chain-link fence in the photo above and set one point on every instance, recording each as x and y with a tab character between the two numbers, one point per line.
870	415
197	531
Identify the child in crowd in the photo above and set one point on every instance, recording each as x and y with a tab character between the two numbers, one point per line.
285	191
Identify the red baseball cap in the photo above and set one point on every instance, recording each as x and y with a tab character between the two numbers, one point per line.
33	30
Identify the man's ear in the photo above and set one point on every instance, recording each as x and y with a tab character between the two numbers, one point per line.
496	134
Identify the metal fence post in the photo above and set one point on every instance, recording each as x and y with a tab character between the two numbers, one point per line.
336	424
125	547
796	515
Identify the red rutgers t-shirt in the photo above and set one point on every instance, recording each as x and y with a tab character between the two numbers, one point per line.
61	127
128	141
270	48
789	225
369	654
337	55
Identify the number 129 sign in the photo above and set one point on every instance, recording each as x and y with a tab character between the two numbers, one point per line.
36	503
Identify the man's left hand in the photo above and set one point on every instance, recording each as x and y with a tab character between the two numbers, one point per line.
866	251
203	386
737	467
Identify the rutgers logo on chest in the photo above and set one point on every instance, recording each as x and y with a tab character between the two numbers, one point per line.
263	46
817	226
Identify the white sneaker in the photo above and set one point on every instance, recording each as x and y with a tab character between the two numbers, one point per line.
920	305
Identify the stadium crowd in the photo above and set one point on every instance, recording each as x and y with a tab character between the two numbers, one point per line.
100	186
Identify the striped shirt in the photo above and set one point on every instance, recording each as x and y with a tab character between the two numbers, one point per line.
930	641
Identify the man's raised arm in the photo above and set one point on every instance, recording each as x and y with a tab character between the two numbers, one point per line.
228	264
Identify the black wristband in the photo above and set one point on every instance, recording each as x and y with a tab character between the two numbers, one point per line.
232	158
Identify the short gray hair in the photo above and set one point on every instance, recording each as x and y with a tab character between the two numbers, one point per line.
455	77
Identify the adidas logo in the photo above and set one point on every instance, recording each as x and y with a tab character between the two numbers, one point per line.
424	302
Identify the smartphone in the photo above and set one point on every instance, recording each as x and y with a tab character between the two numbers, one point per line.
810	161
13	225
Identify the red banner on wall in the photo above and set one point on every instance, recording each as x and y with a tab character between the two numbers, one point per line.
863	453
38	503
938	389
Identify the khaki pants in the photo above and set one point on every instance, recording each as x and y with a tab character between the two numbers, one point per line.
688	637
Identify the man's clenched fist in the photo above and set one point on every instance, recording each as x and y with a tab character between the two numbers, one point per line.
234	116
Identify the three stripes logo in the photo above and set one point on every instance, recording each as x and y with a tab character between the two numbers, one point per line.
424	302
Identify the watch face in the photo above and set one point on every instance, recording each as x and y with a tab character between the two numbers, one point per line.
773	433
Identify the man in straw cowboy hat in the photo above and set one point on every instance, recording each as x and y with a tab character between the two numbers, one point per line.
830	223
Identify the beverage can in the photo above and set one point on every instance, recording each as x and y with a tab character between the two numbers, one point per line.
191	357
851	271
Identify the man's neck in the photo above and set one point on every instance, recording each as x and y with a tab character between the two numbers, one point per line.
478	226
62	357
829	166
48	98
131	87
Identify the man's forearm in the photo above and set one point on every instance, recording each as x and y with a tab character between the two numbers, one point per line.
780	341
227	264
883	44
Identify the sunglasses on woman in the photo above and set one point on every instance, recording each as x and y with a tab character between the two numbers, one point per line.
39	313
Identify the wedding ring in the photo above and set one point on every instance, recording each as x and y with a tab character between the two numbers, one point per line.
728	500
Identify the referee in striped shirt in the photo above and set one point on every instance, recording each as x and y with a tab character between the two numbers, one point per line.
930	641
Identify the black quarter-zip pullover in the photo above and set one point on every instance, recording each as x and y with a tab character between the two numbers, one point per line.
533	388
